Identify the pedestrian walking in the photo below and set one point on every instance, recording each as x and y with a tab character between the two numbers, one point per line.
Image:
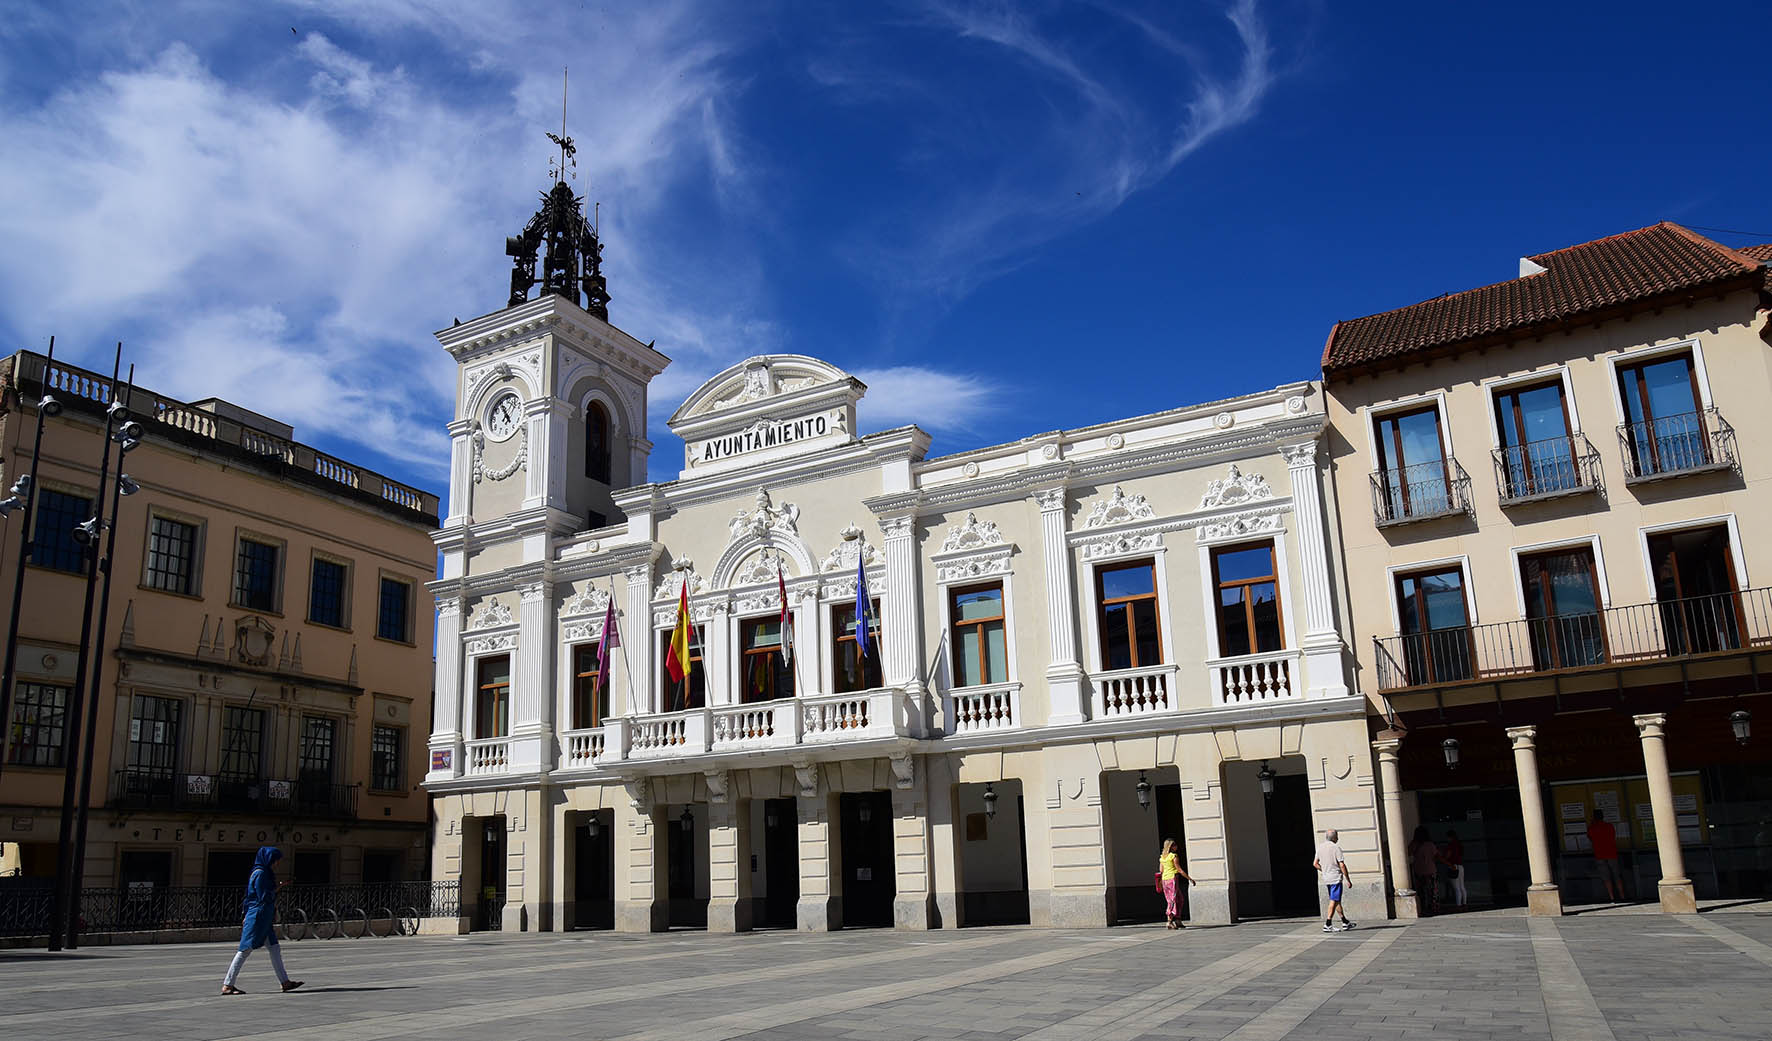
1603	838
258	929
1332	869
1455	868
1170	876
1424	861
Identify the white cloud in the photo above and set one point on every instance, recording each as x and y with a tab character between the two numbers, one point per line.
937	400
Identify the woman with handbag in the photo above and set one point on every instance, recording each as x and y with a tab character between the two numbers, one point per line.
1168	872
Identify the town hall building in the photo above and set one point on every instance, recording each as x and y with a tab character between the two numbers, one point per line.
1076	645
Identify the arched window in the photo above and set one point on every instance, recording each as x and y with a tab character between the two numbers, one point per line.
597	442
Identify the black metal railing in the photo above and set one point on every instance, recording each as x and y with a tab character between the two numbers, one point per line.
1421	491
1656	631
138	789
1543	469
387	908
1691	442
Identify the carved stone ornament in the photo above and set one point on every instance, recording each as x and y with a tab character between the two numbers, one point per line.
761	568
765	518
757	385
672	584
806	777
490	614
970	469
1119	508
527	364
1116	441
719	785
903	771
517	462
576	632
1295	404
592	601
253	637
1302	454
486	644
974	565
853	549
1125	545
1223	420
1049	499
1234	489
640	790
972	534
1240	525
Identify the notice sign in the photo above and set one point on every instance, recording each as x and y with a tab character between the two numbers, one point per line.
1575	811
442	759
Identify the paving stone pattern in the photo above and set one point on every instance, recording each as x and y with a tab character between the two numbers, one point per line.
1466	978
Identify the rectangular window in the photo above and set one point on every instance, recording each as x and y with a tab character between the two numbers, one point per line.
1436	633
1248	585
53	545
590	692
850	670
1413	475
387	767
319	745
255	575
38	719
393	619
693	691
980	645
1664	429
763	676
172	555
1695	590
1130	629
153	736
326	594
243	743
1537	452
1562	593
492	698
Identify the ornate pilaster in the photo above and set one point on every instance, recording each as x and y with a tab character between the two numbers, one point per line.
532	680
461	467
446	712
902	609
637	641
1677	895
1064	673
1325	667
717	638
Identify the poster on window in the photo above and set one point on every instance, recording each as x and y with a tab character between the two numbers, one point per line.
278	789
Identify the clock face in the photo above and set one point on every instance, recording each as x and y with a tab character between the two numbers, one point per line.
504	416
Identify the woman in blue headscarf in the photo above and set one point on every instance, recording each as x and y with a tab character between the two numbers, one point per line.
261	913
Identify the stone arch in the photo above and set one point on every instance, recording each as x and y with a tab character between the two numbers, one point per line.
791	546
484	382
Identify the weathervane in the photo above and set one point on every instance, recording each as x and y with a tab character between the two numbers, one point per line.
574	261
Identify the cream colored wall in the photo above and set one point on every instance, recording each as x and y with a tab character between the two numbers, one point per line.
1736	364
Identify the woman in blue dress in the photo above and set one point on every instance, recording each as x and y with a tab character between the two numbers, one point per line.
261	913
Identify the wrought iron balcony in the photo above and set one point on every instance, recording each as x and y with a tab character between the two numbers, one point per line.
1669	446
1653	632
1420	492
1546	469
138	789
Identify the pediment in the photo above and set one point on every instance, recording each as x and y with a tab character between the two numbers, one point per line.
760	379
765	408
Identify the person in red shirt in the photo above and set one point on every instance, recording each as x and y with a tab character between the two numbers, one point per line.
1604	840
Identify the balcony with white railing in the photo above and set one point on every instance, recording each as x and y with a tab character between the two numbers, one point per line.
489	756
1253	679
982	709
666	735
859	716
814	719
592	747
1141	691
762	724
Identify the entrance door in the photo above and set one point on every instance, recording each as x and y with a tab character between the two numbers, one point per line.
492	874
1434	625
1562	592
593	882
781	854
144	876
1695	590
682	853
1291	846
869	884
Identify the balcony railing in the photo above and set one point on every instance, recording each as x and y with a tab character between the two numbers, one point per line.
1546	469
489	756
813	719
977	710
584	748
1420	492
1668	446
1255	678
1134	692
138	789
1657	631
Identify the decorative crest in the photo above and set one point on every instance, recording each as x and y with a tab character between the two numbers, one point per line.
1118	508
972	534
765	518
1235	488
853	549
490	613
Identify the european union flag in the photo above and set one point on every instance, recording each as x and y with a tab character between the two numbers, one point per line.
864	607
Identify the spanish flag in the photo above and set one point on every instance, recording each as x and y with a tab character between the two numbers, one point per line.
677	660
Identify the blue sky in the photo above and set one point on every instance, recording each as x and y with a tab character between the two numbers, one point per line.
1006	218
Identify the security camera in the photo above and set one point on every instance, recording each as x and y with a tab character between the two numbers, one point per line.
49	406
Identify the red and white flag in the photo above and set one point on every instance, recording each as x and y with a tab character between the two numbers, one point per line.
787	619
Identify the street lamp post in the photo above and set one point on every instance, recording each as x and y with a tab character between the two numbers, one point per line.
64	904
24	496
128	435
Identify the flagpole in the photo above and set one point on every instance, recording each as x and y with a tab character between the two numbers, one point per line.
622	646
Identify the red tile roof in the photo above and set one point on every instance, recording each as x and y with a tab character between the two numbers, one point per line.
1614	275
1760	252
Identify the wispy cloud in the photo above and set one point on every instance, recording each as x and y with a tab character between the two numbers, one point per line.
937	400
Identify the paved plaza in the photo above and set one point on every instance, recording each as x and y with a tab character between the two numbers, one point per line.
1624	976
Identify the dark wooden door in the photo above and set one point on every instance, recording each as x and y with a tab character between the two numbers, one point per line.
869	884
781	856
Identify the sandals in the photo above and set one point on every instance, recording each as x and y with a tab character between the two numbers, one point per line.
291	985
231	989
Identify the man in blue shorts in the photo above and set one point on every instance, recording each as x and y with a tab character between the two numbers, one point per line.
1332	869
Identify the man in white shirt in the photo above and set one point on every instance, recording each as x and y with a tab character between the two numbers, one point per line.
1332	869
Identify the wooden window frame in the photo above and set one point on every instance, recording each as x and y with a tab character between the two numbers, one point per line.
746	629
1631	382
955	625
1103	602
1515	420
499	693
1219	586
1400	465
676	695
587	712
873	662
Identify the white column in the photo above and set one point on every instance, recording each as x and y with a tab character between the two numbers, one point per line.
809	656
639	452
461	465
718	655
532	680
1064	674
901	605
1542	895
1324	661
1677	895
446	708
637	638
1396	848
